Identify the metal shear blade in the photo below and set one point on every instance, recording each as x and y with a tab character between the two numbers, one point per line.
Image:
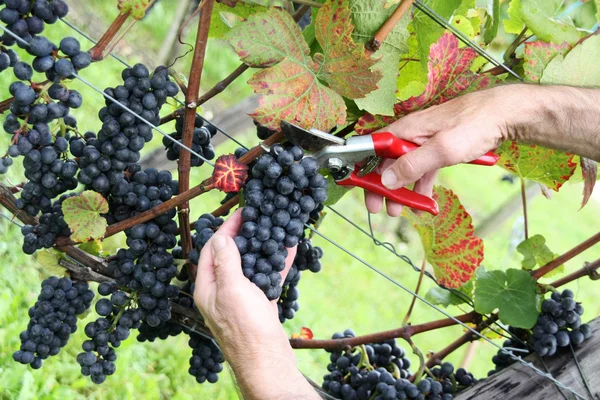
311	140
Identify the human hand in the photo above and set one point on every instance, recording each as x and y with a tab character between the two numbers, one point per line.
461	130
245	323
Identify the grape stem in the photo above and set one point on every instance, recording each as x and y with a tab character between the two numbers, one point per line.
98	51
5	104
189	118
412	303
524	200
415	378
563	258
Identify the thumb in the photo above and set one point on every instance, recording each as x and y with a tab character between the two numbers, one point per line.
412	166
226	259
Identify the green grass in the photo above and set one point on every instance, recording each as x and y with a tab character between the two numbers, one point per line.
345	294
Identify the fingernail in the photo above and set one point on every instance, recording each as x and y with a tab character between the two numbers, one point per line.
389	180
218	242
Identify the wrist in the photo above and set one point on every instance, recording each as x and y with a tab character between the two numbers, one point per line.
525	113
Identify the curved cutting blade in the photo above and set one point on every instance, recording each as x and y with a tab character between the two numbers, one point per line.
311	140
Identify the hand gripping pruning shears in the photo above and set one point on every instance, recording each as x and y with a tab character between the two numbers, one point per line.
352	161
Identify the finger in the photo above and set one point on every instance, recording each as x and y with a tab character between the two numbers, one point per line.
226	259
374	202
232	226
424	185
412	166
393	209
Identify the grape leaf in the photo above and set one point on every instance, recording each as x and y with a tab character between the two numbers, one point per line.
589	172
549	167
469	10
224	18
535	252
305	333
449	76
93	247
512	292
368	16
291	79
537	57
335	192
514	23
543	18
580	67
427	30
490	30
82	214
412	78
136	7
49	259
229	174
444	297
448	240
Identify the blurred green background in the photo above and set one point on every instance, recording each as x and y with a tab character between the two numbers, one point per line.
345	294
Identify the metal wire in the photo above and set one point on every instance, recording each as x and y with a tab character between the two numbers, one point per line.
374	269
11	220
151	125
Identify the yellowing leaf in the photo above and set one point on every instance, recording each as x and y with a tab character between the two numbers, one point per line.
93	247
291	82
136	7
224	18
549	167
448	240
537	57
580	67
305	333
49	259
82	214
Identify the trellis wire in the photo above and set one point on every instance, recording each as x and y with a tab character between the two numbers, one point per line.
374	269
125	63
151	125
9	219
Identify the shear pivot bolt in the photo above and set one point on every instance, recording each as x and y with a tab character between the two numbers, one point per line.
335	164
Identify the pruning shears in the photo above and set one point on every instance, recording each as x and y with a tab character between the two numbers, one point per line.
352	161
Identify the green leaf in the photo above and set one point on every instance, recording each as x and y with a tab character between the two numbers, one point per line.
492	23
428	31
49	259
580	67
515	22
368	16
543	18
513	292
291	80
549	167
412	79
93	247
448	240
335	192
136	7
82	214
537	56
224	18
535	252
444	297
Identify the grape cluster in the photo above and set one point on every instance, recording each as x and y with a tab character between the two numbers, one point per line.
27	18
50	225
452	382
104	159
519	339
8	58
206	361
56	66
282	190
117	317
307	258
52	319
559	324
203	133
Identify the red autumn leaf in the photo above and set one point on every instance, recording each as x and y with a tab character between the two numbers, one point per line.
305	333
229	174
449	240
549	167
290	80
537	57
589	170
449	76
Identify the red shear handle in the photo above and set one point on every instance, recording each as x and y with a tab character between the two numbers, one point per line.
389	146
372	183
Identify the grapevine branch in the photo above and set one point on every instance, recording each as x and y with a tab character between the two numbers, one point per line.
97	52
375	43
405	332
589	269
189	118
5	104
